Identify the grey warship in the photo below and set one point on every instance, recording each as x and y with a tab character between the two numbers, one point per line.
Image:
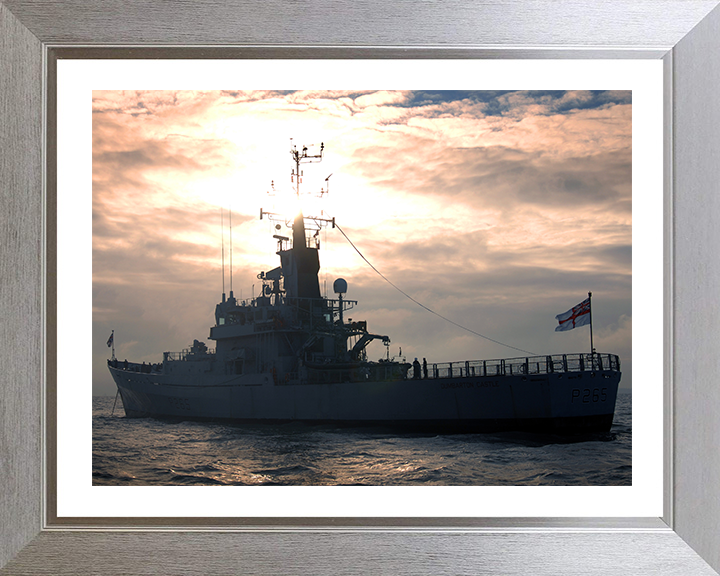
291	355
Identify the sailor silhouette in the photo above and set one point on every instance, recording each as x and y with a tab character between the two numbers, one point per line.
416	370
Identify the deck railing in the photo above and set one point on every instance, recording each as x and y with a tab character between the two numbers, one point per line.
526	366
188	354
135	366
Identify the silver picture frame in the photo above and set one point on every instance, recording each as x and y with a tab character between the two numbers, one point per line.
684	34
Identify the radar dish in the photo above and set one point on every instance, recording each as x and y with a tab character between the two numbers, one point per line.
340	286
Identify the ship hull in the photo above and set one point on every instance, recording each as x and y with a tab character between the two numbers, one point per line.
564	403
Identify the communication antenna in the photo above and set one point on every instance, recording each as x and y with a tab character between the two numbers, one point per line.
222	236
304	155
326	190
231	265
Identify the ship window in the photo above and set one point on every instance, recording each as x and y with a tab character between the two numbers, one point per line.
221	321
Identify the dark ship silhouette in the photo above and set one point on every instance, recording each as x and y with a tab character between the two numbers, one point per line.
289	355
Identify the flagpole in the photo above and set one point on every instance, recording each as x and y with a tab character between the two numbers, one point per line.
113	344
592	347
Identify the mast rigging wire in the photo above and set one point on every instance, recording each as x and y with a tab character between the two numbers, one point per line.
423	305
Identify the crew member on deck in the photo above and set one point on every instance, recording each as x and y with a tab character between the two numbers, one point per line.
416	369
425	375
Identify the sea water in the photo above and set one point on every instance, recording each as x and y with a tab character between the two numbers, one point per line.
150	452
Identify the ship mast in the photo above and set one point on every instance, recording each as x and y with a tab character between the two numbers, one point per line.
302	156
297	223
300	264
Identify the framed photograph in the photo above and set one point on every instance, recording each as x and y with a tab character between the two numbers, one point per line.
480	130
667	524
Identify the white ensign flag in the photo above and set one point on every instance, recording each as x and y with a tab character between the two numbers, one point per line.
577	316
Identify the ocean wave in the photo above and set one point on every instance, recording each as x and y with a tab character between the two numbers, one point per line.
128	451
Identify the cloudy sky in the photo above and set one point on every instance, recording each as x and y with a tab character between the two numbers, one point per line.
497	210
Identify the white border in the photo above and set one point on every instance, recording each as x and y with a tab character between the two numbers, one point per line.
75	494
